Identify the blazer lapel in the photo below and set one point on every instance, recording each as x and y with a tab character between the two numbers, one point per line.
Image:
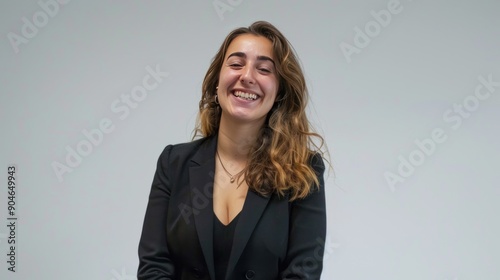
252	211
201	180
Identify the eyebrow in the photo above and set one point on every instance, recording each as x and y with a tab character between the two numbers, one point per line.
243	55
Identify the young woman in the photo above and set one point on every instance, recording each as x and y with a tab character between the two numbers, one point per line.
246	200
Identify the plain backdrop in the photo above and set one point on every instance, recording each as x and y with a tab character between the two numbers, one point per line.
395	89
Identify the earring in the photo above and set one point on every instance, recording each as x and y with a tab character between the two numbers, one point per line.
216	99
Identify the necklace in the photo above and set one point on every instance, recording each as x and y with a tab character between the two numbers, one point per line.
231	176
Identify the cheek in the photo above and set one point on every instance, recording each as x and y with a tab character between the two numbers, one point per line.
227	76
272	89
272	98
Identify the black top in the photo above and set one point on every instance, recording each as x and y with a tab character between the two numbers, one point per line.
223	242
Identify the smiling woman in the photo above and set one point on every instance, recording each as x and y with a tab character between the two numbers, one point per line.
246	200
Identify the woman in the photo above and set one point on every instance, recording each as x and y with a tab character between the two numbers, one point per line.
246	201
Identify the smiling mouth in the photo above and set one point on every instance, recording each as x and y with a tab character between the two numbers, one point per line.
245	95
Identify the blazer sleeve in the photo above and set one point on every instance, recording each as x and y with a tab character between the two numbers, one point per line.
155	262
306	244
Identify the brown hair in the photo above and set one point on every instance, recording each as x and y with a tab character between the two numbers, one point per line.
280	159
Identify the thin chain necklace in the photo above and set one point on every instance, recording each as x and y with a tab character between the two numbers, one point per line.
231	176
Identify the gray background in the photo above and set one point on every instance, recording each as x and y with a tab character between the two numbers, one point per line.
440	223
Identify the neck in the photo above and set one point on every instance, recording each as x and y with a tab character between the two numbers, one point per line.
236	138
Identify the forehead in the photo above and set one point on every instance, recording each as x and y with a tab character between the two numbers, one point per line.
251	45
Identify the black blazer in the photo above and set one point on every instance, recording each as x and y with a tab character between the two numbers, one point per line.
273	239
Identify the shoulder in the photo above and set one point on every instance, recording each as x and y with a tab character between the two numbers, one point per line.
182	151
186	147
317	163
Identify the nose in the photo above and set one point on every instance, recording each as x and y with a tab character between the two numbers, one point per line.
248	75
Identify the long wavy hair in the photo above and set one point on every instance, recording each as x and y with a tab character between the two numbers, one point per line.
280	157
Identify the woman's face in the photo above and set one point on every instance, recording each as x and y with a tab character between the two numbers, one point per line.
248	82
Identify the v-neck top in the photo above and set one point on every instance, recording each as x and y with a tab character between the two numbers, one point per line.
223	242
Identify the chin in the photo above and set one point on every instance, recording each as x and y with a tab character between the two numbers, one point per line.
245	117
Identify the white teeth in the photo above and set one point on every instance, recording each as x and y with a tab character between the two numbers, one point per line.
245	95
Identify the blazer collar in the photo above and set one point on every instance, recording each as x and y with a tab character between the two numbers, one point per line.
201	180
